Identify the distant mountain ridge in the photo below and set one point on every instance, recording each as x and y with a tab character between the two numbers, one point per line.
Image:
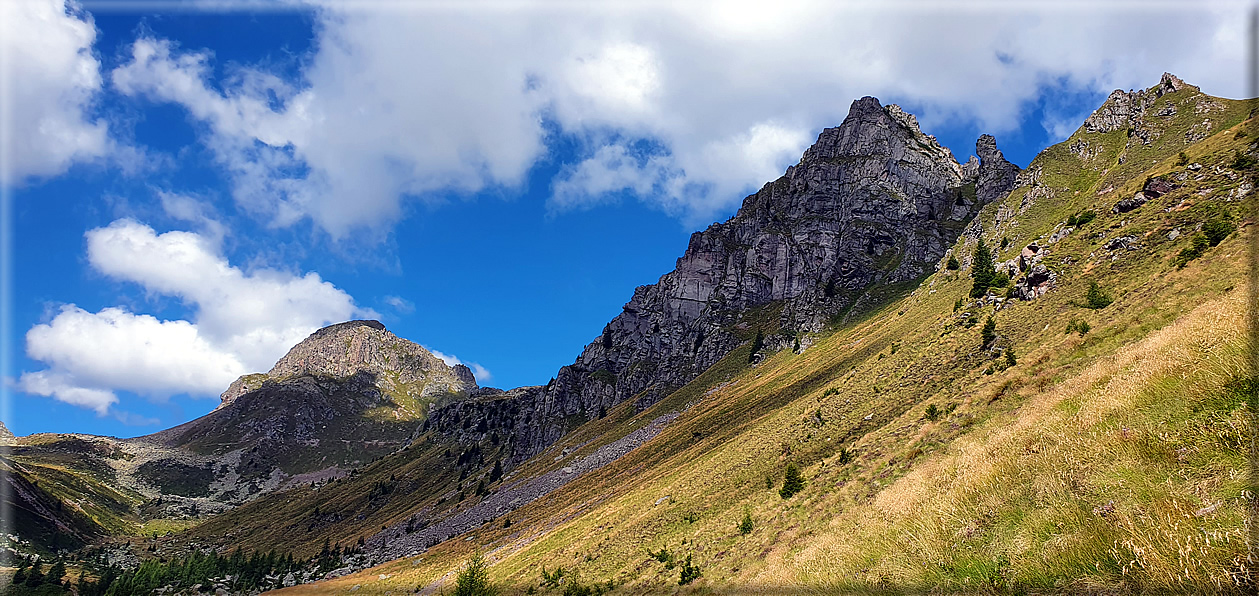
873	202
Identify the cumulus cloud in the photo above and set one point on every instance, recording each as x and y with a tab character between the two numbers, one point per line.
242	322
257	315
612	169
400	101
91	355
50	78
482	374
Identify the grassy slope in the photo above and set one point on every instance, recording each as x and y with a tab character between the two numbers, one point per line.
62	476
299	520
1114	459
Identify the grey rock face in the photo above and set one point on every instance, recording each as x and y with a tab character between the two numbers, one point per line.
1121	242
873	201
996	176
1130	203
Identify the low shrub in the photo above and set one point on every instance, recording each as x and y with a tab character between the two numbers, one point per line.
1078	325
1080	218
663	556
1216	230
551	579
1241	161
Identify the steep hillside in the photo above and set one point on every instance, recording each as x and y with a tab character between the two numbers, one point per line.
1092	439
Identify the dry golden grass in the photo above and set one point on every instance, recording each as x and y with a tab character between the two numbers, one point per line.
1061	444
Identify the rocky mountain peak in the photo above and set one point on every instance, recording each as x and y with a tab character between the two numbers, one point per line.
986	148
1170	83
337	328
400	367
872	201
994	174
873	129
1124	109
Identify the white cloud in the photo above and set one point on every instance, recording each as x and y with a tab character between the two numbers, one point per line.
257	316
403	100
617	84
482	374
49	79
612	169
193	210
91	355
64	388
689	185
400	304
242	322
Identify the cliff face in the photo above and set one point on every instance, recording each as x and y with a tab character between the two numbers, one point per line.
873	201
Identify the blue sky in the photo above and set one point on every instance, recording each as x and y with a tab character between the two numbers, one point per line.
192	188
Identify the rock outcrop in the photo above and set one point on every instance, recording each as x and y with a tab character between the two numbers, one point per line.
1152	189
995	175
1123	109
873	201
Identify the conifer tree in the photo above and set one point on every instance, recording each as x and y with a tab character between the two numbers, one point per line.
982	270
34	576
989	332
474	580
793	482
